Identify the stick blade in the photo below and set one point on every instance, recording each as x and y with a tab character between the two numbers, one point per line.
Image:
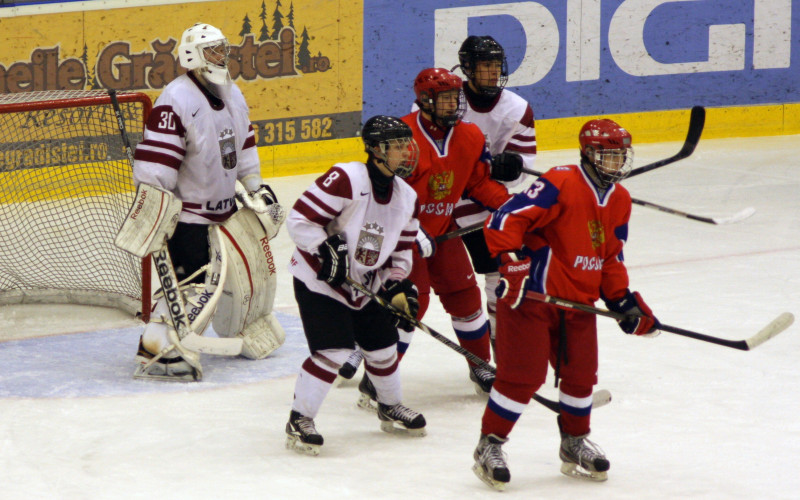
737	217
212	345
775	327
601	398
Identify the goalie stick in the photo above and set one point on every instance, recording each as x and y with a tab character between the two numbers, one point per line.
776	326
599	398
169	281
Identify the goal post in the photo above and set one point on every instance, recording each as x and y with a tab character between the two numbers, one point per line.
66	185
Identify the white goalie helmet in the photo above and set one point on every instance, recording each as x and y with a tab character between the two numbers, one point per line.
204	47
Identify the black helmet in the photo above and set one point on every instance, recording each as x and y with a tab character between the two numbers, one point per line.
380	132
381	128
483	48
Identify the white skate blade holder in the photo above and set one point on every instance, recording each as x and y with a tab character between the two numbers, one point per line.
483	476
296	444
574	470
392	427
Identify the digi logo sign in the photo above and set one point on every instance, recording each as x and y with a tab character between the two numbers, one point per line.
769	27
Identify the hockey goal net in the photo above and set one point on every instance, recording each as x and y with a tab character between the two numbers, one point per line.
65	187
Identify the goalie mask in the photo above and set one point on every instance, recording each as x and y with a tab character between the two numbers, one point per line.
440	94
204	48
389	140
483	61
607	151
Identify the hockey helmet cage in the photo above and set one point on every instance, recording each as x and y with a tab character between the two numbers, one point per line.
380	133
431	82
483	48
607	147
192	52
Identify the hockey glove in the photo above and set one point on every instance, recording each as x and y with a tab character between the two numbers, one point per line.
335	262
639	320
515	272
507	166
404	296
267	194
426	246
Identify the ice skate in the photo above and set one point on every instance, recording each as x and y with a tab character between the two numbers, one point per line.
482	378
157	367
368	397
398	419
350	367
490	462
582	458
301	435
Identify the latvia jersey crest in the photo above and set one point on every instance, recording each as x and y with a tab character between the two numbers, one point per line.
368	248
596	233
439	185
227	148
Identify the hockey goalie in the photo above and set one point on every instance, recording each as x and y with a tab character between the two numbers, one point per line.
205	215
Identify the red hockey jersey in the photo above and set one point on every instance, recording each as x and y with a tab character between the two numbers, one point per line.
455	166
573	235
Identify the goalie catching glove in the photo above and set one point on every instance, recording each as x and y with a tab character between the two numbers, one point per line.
506	166
335	263
515	270
404	296
639	318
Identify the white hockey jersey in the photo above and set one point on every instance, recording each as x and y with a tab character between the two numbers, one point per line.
508	125
196	145
380	234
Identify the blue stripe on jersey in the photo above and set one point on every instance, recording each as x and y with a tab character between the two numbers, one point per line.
539	259
542	194
621	232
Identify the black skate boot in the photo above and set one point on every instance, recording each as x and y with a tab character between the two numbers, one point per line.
398	419
368	397
350	367
301	435
582	458
482	378
490	462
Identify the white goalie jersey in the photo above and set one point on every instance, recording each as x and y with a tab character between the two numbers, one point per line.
380	235
197	145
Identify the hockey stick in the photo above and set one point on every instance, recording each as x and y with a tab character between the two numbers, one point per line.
169	281
459	232
599	398
776	326
697	121
738	216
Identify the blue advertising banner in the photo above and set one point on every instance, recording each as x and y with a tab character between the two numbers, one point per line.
589	57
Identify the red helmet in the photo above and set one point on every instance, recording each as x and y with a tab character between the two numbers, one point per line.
431	82
606	146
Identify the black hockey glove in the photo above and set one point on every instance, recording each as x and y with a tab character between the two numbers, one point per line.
640	319
404	296
267	194
335	262
507	166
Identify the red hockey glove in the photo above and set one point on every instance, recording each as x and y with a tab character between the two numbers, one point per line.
515	272
640	319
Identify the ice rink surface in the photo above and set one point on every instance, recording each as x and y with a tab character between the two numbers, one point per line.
688	419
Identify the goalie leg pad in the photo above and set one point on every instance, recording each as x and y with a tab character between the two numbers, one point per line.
262	337
245	306
150	221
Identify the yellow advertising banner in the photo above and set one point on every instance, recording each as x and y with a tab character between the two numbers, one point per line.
298	63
